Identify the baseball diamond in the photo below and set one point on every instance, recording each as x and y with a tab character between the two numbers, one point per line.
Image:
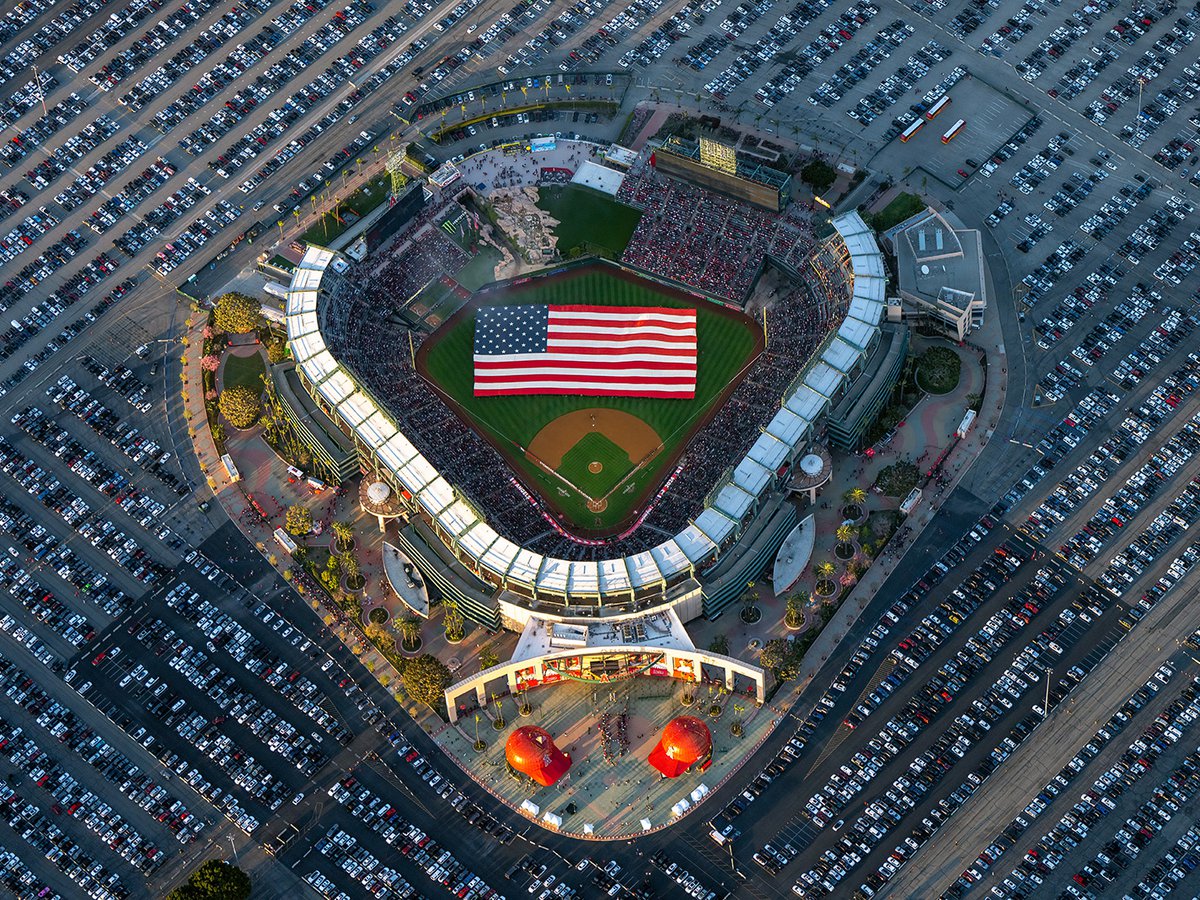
593	460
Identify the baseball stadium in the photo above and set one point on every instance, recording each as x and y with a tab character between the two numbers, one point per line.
595	527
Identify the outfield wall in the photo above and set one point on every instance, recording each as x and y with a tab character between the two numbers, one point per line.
506	566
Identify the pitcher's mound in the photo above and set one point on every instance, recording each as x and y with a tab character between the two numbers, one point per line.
595	467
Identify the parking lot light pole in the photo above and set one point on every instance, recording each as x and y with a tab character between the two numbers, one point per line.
1046	705
234	849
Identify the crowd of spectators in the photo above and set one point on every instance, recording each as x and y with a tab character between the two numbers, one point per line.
364	330
419	257
715	244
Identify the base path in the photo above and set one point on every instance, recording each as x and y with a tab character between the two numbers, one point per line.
627	431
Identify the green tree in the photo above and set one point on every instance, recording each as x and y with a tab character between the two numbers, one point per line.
344	534
410	631
381	637
298	520
425	678
452	621
214	880
719	644
488	657
794	616
818	175
240	406
774	654
351	569
276	350
237	313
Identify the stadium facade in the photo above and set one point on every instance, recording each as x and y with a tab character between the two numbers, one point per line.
642	599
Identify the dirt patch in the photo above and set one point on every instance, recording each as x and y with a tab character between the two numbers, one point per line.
627	431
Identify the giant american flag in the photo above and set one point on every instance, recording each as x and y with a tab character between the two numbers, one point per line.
599	351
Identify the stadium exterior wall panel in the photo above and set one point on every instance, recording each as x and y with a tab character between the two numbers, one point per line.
387	451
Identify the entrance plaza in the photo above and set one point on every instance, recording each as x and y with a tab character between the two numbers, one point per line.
617	795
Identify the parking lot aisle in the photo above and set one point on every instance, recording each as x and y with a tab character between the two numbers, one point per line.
89	780
1036	761
1105	829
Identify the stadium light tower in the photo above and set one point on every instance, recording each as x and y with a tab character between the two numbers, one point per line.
394	164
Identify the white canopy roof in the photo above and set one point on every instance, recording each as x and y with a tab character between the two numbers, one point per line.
751	476
807	403
643	570
715	526
856	333
417	473
436	496
306	347
614	577
499	556
320	365
695	544
584	578
554	575
457	518
524	568
787	427
670	559
824	379
840	355
478	539
733	502
397	452
336	388
769	452
865	308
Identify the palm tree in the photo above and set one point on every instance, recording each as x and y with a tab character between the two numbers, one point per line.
844	534
344	534
856	496
826	569
410	631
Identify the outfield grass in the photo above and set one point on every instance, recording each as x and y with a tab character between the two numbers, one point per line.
479	269
725	344
589	217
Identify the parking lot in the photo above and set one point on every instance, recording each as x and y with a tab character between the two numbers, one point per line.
164	706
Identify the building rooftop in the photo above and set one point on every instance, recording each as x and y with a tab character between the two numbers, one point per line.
662	630
932	256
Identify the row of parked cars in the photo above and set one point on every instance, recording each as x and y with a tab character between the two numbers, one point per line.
102	533
43	546
928	770
1015	680
151	42
61	158
68	333
1101	799
198	51
384	819
343	850
251	93
133	193
69	731
223	631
